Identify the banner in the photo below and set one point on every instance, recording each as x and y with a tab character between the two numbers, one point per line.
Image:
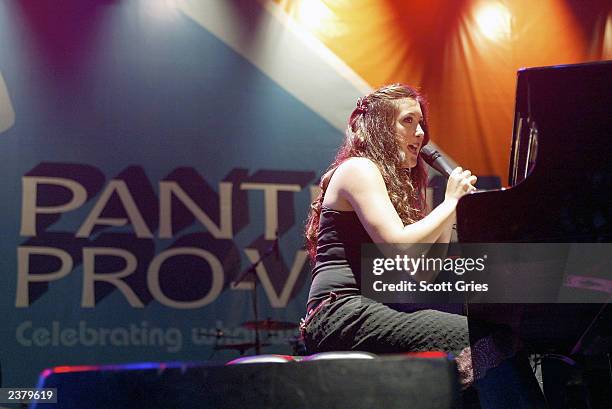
148	159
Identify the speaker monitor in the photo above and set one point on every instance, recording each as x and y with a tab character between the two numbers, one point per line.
387	382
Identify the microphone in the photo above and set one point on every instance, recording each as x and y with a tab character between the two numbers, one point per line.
434	159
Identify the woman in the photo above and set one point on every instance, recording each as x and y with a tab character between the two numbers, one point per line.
375	192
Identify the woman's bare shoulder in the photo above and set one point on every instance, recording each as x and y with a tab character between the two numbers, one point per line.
350	177
359	167
357	175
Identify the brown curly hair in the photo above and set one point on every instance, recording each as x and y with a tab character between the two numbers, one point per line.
371	134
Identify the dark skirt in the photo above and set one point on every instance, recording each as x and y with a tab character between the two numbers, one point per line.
357	323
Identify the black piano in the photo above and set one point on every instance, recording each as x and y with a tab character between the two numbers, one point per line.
559	191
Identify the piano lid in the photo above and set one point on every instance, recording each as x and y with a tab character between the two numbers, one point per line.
560	167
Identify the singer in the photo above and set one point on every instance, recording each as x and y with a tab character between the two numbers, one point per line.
374	191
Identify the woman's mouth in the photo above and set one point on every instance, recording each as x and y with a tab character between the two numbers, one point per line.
414	149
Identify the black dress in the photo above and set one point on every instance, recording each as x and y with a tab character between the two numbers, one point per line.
349	321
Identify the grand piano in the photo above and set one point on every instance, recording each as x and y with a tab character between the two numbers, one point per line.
559	191
560	176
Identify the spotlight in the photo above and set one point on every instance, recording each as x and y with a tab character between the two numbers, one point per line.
494	20
312	14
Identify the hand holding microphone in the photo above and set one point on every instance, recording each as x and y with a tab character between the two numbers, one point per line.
460	182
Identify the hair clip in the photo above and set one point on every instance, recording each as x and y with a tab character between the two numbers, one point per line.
362	105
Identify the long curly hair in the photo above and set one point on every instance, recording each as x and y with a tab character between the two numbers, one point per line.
371	134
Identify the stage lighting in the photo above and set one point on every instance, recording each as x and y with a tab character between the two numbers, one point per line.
494	20
312	14
163	10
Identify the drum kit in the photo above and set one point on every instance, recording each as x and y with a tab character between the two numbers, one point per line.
257	325
267	325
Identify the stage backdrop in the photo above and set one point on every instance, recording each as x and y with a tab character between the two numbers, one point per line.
464	53
151	150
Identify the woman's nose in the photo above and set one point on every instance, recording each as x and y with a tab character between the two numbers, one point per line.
419	131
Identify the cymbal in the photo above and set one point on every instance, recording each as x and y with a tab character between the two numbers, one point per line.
242	346
218	334
270	325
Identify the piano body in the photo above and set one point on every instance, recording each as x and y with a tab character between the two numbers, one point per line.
560	174
560	191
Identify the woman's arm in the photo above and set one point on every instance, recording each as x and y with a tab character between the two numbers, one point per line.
359	182
447	232
440	250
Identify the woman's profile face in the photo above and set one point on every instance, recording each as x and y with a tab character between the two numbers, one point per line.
409	131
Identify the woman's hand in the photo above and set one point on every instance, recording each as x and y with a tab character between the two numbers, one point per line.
460	182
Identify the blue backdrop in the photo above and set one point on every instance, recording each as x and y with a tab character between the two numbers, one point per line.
148	163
